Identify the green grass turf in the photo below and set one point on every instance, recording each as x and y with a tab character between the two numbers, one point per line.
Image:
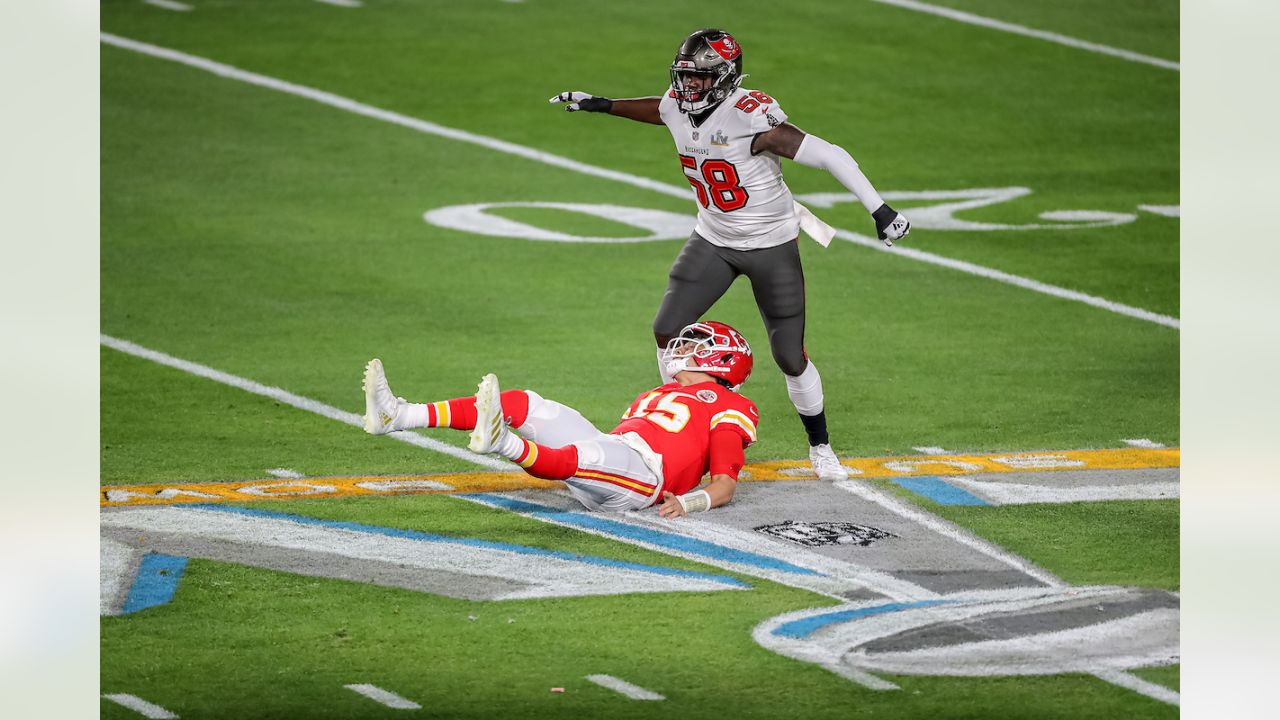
286	272
1170	676
1145	26
283	241
1129	542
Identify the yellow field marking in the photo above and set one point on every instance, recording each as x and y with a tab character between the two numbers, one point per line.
901	466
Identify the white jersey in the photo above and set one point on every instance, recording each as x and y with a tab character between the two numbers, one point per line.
743	202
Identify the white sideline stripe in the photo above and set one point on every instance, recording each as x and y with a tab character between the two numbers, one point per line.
343	3
284	473
170	5
385	697
1017	280
1140	686
930	450
394	118
685	193
1052	37
866	491
635	692
140	706
298	401
1144	443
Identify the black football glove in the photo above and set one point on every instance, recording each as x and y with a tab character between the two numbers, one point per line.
585	102
890	224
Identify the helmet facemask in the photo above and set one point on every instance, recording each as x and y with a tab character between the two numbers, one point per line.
699	348
724	80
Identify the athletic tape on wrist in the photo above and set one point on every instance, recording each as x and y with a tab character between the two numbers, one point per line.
696	501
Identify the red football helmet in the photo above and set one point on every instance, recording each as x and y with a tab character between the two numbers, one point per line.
713	348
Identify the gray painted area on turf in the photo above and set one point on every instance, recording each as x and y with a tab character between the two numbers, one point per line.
458	567
1020	488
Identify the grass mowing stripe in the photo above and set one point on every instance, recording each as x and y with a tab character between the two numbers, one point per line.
424	126
302	403
979	20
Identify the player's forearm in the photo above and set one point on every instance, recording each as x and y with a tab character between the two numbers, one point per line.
721	489
639	109
816	152
717	492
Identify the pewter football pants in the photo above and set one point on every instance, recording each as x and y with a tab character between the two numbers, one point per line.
702	274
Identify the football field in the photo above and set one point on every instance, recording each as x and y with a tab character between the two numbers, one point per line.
291	188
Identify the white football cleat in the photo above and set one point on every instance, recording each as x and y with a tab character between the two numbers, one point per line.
381	406
489	424
825	463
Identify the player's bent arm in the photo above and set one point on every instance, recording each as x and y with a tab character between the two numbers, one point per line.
639	109
791	142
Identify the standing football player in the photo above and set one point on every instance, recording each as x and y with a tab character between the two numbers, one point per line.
667	440
729	140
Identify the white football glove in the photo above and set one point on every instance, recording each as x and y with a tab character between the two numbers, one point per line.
890	224
582	101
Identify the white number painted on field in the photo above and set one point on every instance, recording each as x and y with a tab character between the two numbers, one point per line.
941	215
913	466
662	410
1038	462
657	224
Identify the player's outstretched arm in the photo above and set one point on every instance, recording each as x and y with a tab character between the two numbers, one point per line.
716	493
639	109
791	142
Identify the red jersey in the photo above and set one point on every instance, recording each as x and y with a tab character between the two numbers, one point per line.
676	422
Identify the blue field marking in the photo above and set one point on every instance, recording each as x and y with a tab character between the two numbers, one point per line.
669	540
155	582
939	491
805	627
473	542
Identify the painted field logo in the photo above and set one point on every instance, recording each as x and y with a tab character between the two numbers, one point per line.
144	552
824	533
1024	631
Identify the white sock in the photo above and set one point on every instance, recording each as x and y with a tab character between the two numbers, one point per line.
805	390
413	415
510	445
662	370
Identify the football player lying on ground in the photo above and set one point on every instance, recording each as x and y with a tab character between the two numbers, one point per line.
729	140
667	440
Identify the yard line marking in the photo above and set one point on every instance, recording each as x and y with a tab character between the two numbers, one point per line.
1017	280
298	401
359	108
1144	443
343	3
949	530
170	5
930	450
385	697
284	473
971	19
1140	686
140	706
635	692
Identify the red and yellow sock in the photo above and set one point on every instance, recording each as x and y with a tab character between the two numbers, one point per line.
548	463
460	413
